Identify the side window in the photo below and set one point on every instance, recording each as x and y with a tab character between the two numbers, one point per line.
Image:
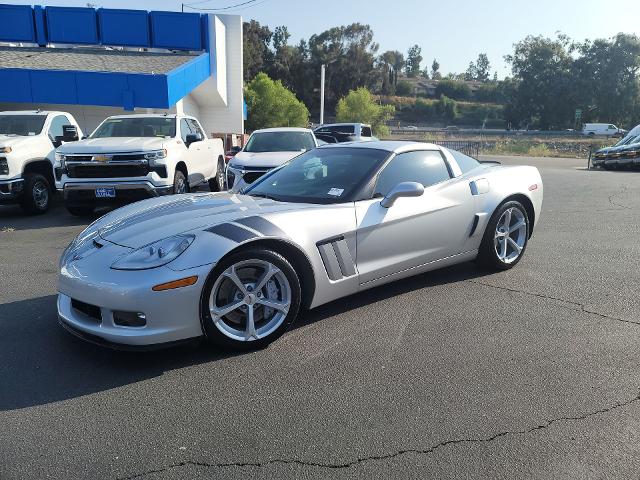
366	131
465	163
184	129
55	130
426	167
195	128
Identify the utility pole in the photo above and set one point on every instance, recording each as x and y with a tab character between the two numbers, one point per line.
322	70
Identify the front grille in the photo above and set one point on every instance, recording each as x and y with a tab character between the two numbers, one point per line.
118	157
4	166
251	177
89	310
110	170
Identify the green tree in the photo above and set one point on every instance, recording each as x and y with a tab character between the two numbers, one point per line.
435	70
483	68
447	108
405	88
414	59
542	71
453	89
256	53
270	104
360	106
606	78
349	53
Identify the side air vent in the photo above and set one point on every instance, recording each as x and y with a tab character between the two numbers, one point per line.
337	258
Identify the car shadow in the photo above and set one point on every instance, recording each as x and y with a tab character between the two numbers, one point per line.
454	274
41	363
13	218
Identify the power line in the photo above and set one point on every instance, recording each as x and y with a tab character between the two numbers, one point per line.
217	9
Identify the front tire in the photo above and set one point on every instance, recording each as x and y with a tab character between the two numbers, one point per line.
218	184
37	192
505	238
180	184
249	300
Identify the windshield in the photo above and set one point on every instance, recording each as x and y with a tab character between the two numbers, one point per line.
136	127
628	140
23	125
323	175
280	142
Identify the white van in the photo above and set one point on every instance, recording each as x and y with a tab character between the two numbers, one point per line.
606	129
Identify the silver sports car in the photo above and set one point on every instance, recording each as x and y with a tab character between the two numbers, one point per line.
333	221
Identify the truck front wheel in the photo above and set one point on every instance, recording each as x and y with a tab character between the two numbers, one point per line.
36	196
180	183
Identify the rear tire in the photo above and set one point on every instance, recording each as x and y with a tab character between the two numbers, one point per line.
505	238
218	184
36	197
267	278
80	211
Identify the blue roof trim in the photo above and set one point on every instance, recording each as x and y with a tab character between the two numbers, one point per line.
124	28
105	26
108	89
72	25
17	24
184	79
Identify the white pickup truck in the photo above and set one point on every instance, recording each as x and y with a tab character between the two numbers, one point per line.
28	140
132	157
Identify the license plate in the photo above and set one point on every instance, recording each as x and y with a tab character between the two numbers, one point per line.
106	192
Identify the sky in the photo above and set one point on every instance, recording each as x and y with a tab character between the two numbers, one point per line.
454	32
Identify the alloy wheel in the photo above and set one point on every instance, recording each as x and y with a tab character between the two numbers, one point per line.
250	300
40	195
511	235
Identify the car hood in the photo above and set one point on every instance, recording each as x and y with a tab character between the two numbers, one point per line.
263	159
14	140
113	145
148	221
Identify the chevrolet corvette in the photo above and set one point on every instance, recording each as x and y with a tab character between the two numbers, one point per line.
237	269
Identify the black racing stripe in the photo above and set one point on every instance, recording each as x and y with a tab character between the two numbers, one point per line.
232	232
262	225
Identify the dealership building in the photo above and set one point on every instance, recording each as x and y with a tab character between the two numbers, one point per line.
95	63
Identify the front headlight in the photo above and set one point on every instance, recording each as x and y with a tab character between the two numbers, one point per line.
5	149
156	155
155	254
234	166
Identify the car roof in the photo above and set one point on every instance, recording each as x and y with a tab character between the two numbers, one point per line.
391	146
147	115
30	112
283	129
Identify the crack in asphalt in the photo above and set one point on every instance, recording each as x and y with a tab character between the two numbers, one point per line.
582	307
611	197
426	451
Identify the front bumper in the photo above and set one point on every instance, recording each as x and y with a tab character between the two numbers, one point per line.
171	315
83	193
11	190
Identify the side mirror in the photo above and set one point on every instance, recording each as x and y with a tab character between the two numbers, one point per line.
236	149
70	133
192	138
404	189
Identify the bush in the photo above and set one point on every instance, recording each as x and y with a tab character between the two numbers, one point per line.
447	108
360	106
404	88
271	104
453	89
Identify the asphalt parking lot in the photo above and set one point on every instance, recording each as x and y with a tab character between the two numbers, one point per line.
531	373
